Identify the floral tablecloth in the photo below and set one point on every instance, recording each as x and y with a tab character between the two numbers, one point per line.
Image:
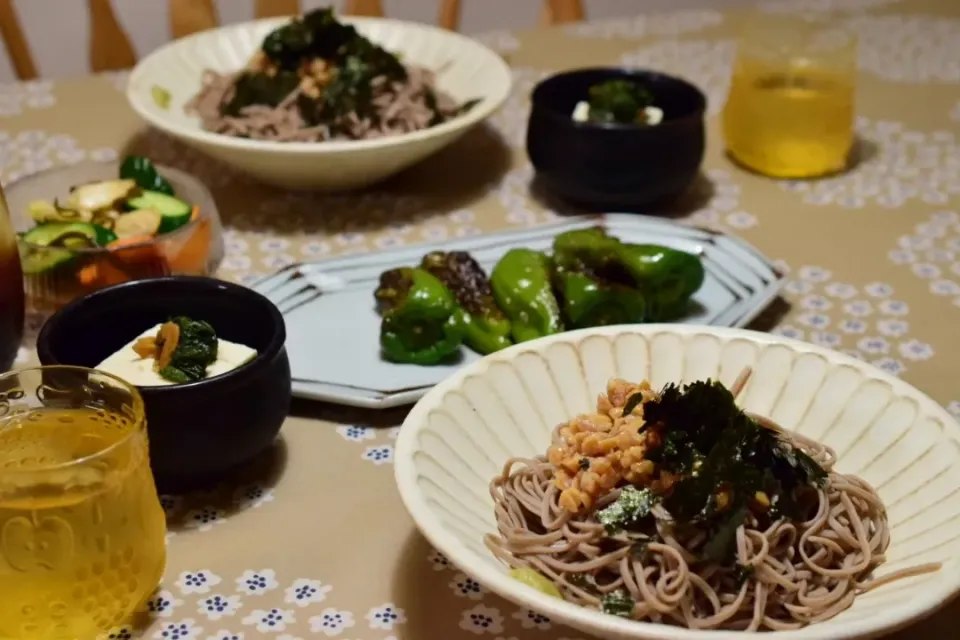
318	544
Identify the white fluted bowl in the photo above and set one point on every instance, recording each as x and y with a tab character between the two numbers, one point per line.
456	439
465	69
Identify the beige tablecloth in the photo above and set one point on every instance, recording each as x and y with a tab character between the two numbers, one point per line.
318	545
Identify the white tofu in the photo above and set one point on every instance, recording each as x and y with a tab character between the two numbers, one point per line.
654	115
581	112
129	366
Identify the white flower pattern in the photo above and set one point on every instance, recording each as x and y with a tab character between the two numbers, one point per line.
304	592
331	622
386	617
656	24
197	581
217	606
481	620
270	620
257	582
181	630
907	166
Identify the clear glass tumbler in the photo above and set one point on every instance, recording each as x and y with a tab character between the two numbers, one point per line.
790	110
81	527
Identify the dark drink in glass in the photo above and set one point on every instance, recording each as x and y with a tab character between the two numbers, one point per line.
11	290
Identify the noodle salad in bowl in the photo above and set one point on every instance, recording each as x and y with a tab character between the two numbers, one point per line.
317	101
720	482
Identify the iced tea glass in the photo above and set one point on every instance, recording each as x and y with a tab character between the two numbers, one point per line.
81	527
790	110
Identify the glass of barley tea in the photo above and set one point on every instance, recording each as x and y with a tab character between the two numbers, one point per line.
790	110
81	527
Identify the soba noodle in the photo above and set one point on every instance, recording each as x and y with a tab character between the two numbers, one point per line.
788	573
397	107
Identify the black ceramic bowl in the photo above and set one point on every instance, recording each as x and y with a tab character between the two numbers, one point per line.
201	431
615	165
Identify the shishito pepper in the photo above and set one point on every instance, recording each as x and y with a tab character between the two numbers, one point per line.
421	322
521	286
666	277
591	301
485	328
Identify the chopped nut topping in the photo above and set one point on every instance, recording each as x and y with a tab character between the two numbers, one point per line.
167	340
146	347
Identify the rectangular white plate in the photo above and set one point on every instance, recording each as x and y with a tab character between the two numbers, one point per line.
333	327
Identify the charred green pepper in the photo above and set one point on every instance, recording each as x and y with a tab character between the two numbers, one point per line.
666	277
421	323
485	327
521	286
591	301
145	174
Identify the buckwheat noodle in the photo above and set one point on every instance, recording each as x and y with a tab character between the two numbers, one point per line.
397	107
803	572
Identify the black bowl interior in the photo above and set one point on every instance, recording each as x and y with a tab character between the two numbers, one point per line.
90	329
202	430
559	94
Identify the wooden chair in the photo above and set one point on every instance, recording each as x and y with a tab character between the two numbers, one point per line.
110	47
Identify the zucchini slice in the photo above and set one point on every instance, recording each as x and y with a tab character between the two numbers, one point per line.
50	245
70	235
173	211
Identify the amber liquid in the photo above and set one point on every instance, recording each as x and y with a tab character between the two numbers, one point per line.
83	545
789	121
11	291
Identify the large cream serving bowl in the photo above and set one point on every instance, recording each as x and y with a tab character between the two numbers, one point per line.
458	436
465	69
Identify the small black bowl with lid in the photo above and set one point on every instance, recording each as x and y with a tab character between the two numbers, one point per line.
200	432
612	165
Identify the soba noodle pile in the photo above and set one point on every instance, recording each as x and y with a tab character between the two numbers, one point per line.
782	573
315	78
398	107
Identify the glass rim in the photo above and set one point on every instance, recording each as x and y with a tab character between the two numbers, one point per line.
139	422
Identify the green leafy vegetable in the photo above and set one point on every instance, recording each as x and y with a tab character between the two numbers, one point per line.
619	101
260	88
726	459
196	350
631	506
617	603
353	65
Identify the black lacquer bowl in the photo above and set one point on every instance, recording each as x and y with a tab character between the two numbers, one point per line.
611	166
202	431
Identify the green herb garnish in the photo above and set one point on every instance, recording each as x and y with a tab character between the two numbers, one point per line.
353	62
723	453
631	506
618	603
619	101
196	350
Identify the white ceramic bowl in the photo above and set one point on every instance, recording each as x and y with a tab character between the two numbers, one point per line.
459	435
465	69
